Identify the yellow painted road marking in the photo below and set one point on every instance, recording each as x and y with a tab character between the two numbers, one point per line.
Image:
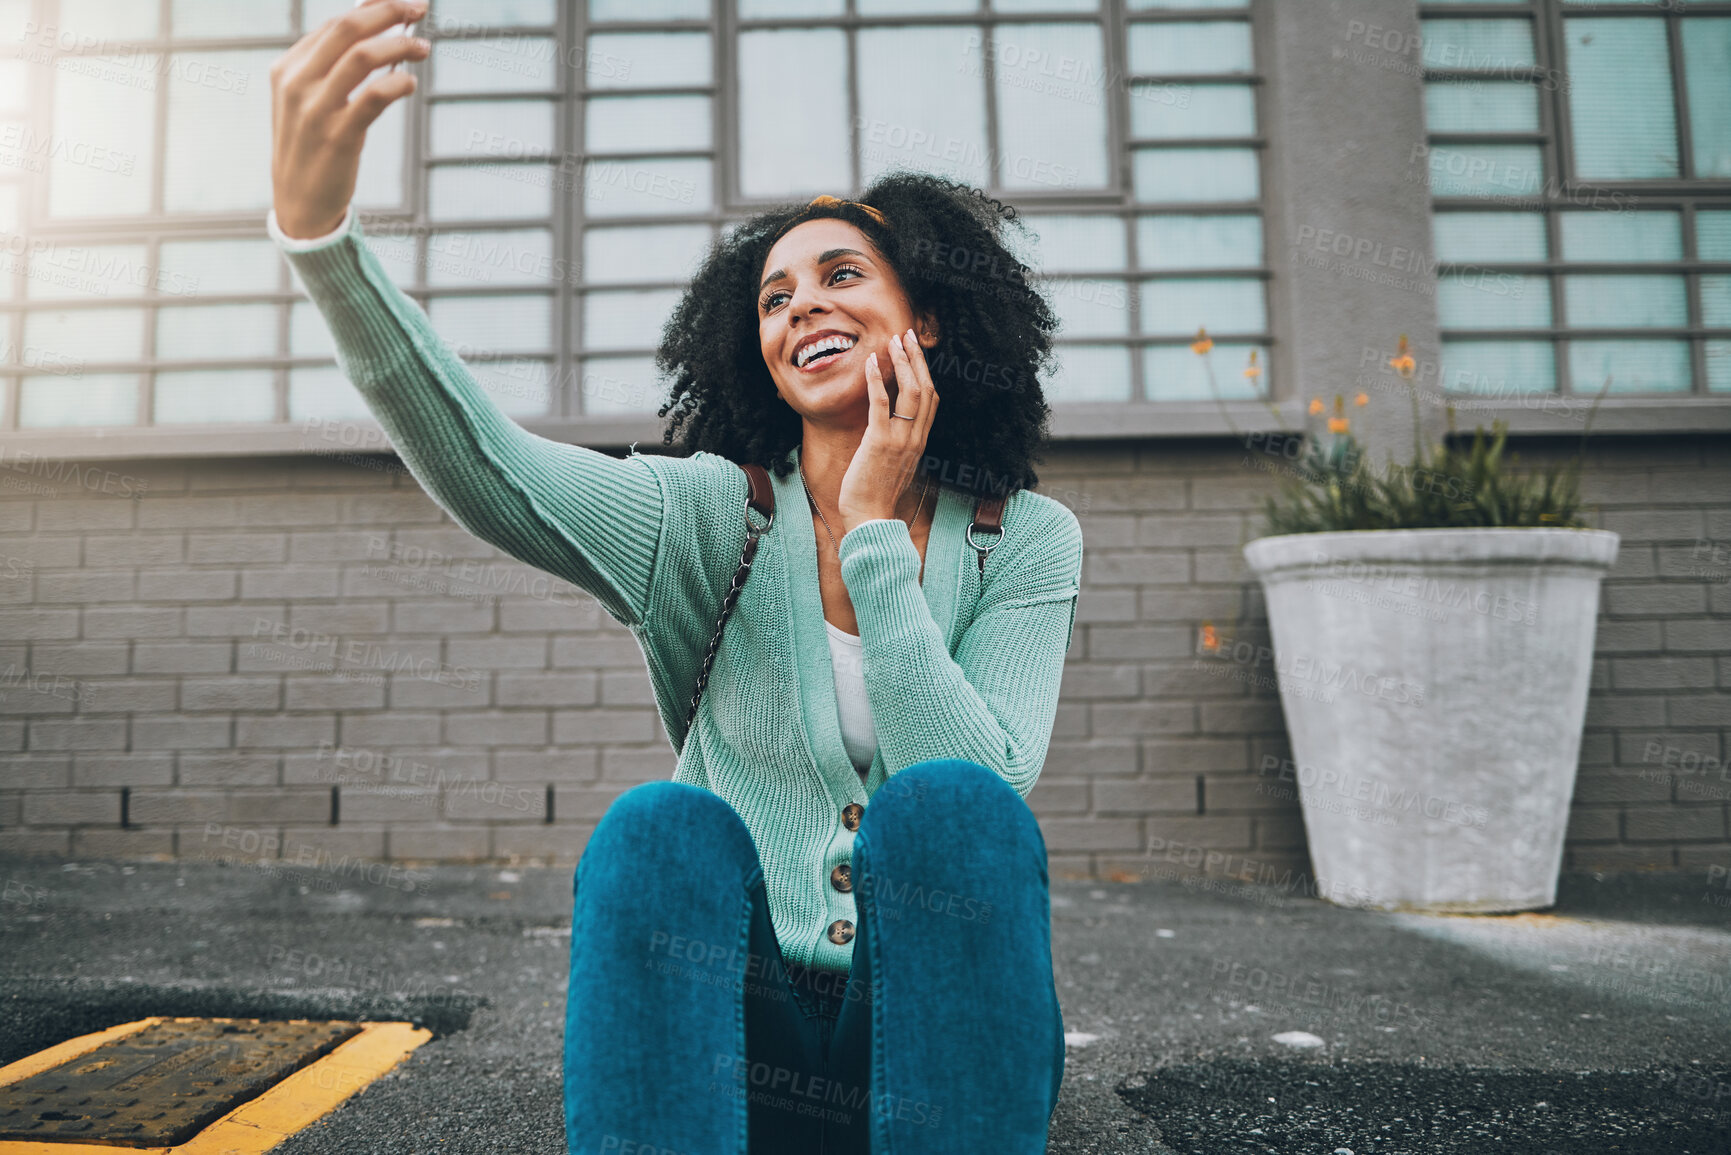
259	1124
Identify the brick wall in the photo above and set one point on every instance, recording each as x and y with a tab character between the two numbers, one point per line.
300	657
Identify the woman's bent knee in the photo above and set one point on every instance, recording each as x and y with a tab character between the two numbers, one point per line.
671	822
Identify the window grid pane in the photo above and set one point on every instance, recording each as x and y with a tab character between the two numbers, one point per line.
597	182
1580	273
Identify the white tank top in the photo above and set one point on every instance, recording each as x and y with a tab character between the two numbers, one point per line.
859	733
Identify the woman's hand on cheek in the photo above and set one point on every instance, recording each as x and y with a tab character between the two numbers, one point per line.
889	455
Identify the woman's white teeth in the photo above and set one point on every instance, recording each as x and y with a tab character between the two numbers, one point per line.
824	345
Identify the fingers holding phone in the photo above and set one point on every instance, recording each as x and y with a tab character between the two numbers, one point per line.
326	91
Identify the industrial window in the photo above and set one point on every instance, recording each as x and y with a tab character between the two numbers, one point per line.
1580	164
563	164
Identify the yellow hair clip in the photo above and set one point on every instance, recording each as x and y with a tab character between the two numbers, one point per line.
826	200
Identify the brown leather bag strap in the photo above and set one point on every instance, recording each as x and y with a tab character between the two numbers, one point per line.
988	516
759	496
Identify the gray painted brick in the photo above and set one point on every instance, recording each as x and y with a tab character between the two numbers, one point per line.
289	582
1094	834
1109	607
556	844
614	648
1672	673
134	550
628	764
1087	681
545	615
1135	567
76	734
284	730
1702	710
320	692
439	843
1137	719
1677	823
497	728
1698	634
186	585
1648	599
619	689
229	768
132	622
573	803
40	772
316	545
1133	492
71	807
389	803
499	653
228	694
81	586
237	621
602	727
178	807
1613	637
484	801
1655	524
1093	758
188	513
452	689
1195	755
442	616
182	657
1145	796
127	696
36	843
32	624
65	515
79	658
396	728
1196	529
563	688
544	766
1133	643
237	549
340	619
177	732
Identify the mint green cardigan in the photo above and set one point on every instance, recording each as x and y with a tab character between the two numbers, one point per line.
956	664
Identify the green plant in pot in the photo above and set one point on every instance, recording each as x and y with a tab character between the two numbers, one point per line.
1433	633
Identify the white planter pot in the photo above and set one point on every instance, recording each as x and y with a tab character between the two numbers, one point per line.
1434	683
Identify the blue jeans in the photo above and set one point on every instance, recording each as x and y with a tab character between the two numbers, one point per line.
686	1033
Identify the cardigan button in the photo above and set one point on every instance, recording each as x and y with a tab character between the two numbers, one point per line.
842	878
850	815
841	932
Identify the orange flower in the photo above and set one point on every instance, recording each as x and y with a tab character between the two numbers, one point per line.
1210	640
1315	406
1339	424
1253	370
1402	361
1361	399
1203	342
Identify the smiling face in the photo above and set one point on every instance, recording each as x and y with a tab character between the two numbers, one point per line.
826	300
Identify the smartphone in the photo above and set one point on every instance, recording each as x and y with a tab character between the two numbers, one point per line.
400	30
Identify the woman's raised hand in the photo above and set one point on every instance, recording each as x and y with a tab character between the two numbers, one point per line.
888	457
317	126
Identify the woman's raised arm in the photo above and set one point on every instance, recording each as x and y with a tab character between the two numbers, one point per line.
582	515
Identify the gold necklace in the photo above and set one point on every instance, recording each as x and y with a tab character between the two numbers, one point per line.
834	544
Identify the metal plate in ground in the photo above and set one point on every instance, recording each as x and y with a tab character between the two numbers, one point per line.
161	1086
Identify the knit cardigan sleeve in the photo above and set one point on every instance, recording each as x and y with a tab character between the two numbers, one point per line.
995	701
579	514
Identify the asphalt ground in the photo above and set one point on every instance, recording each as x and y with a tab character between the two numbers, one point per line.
1204	1017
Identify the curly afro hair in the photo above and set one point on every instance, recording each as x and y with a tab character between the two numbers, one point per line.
943	240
